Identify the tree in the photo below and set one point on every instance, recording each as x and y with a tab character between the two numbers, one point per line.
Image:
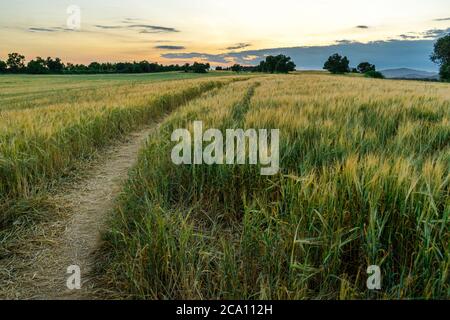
16	62
337	64
124	67
441	56
236	68
94	67
37	66
137	67
186	67
3	66
284	64
262	67
219	68
145	66
54	66
374	74
200	67
445	72
276	64
364	67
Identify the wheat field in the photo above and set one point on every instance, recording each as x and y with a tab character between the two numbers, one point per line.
364	181
48	124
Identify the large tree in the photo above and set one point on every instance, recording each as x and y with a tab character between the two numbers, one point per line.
364	67
337	64
441	56
276	64
16	62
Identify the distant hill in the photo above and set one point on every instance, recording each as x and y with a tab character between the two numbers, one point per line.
405	73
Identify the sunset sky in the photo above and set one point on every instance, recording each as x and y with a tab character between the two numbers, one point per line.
224	32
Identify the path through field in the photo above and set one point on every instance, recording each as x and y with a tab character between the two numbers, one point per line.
74	238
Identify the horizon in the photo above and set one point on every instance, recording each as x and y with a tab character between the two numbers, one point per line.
173	32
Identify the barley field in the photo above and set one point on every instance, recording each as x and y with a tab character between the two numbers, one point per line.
364	180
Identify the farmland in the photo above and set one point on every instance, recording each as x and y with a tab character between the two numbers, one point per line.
48	123
364	180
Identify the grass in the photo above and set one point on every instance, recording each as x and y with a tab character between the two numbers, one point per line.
50	123
364	181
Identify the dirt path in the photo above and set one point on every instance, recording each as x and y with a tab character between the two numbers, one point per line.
74	238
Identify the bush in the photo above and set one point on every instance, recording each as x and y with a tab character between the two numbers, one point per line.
374	74
365	67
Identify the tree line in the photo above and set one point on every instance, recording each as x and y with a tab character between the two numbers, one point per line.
272	64
16	64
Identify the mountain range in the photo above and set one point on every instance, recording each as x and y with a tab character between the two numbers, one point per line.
406	73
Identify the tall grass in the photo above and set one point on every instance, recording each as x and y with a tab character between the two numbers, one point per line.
364	181
41	143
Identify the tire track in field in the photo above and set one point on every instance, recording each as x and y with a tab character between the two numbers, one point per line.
74	239
240	109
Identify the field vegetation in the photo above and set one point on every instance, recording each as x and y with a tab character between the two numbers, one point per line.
364	181
49	123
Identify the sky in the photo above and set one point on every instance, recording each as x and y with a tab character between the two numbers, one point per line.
389	33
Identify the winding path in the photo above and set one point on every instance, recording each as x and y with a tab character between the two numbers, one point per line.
73	239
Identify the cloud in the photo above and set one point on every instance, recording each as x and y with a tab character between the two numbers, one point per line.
442	19
41	30
406	37
153	29
435	33
48	29
344	41
170	47
145	28
425	35
239	46
384	54
215	58
250	58
109	27
362	27
129	20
